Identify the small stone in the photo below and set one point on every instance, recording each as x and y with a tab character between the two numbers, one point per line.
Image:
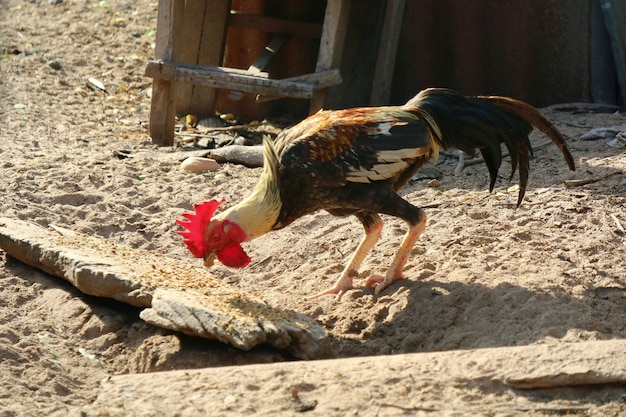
199	164
54	64
230	400
434	183
204	143
95	84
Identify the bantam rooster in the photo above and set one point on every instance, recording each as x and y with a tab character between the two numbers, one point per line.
354	162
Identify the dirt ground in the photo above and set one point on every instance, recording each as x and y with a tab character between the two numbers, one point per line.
484	274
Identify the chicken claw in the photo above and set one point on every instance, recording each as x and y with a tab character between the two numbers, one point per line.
343	284
338	291
379	283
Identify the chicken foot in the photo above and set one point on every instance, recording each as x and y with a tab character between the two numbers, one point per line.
373	227
394	273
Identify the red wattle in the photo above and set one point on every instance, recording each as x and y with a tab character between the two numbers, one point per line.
233	256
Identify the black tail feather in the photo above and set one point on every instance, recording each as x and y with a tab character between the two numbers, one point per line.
535	118
470	123
524	169
493	164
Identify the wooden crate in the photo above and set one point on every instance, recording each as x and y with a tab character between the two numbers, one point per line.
190	45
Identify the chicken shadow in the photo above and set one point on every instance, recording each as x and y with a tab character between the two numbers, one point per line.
439	316
443	315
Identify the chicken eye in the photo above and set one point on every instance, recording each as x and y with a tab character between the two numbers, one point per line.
215	237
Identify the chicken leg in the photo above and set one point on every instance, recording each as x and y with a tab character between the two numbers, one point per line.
394	272
373	226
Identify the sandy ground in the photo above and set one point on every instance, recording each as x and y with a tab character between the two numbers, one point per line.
483	274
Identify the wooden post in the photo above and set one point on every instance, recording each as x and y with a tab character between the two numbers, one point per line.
190	32
387	48
162	107
331	44
190	43
211	52
186	48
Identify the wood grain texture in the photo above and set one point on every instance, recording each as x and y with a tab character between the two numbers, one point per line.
175	295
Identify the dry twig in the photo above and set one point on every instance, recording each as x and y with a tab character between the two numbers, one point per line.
579	183
549	409
618	223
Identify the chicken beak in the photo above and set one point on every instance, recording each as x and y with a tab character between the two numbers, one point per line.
209	260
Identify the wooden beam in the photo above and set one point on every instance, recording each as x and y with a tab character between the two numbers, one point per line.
322	79
210	52
454	382
269	53
162	107
164	47
177	295
387	48
263	60
167	70
331	44
274	25
236	79
187	48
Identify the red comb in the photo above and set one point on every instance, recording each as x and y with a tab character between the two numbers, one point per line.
196	224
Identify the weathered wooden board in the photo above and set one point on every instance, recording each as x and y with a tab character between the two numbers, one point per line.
231	78
162	105
175	294
331	44
464	382
386	58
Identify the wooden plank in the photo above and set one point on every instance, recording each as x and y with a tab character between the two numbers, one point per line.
269	52
275	25
387	48
473	382
164	47
331	44
167	70
162	113
162	110
175	294
187	47
614	12
211	52
322	79
263	60
230	78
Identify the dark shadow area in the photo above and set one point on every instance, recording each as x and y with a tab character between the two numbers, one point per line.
459	316
114	332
